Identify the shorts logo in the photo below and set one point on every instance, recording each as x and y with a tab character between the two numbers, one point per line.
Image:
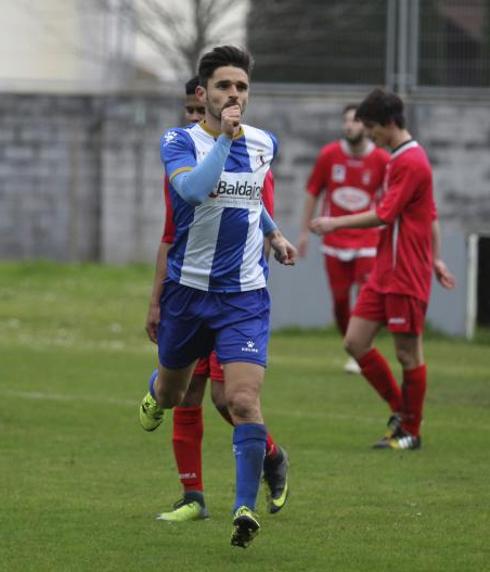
250	348
396	321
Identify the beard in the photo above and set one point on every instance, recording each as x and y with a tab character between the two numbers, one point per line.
355	139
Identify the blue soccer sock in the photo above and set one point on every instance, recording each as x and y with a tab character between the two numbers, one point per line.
249	448
151	382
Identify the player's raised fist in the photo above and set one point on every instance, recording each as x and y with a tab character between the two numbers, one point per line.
231	116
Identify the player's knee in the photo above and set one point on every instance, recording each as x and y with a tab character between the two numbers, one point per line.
405	358
242	404
352	346
219	402
193	397
168	398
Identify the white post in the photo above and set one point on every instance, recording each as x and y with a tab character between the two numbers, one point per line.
472	286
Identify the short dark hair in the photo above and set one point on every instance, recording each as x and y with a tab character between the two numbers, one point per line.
350	107
191	85
223	56
382	107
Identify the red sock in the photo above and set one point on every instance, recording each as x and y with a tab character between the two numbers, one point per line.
342	314
270	447
376	370
413	393
187	440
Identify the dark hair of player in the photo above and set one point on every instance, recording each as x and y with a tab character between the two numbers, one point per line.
223	56
190	86
350	107
382	107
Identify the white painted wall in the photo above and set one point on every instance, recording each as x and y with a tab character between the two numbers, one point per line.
57	45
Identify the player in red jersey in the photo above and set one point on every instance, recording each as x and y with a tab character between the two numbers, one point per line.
349	173
187	418
398	289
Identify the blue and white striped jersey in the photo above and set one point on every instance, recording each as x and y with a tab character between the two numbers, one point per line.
218	245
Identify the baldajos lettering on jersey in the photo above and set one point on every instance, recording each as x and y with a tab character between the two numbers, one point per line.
242	189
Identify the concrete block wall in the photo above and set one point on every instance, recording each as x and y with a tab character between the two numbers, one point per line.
81	179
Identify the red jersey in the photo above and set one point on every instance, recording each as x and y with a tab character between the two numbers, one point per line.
404	260
169	228
352	184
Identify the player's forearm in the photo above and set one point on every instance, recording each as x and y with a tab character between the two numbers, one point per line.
160	273
366	219
308	211
436	240
268	225
196	185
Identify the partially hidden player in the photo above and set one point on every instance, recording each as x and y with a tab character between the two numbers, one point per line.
348	175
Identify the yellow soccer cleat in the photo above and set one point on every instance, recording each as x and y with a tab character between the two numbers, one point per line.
185	511
151	414
402	440
392	428
245	527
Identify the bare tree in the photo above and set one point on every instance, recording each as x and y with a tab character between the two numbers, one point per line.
180	30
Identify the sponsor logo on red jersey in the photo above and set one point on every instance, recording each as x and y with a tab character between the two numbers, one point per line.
351	199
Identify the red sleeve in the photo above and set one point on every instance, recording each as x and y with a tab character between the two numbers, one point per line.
268	193
316	182
434	210
402	183
169	229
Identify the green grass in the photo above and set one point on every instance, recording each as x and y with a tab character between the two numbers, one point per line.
80	482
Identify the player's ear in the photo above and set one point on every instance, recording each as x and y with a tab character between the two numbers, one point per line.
201	93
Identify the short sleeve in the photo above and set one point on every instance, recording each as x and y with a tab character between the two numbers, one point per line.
275	144
268	193
177	152
316	181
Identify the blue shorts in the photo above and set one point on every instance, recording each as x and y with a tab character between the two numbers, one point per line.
194	322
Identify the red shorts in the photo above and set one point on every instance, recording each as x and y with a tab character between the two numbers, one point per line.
210	367
402	314
342	275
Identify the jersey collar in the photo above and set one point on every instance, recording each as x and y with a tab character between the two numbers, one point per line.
215	134
410	144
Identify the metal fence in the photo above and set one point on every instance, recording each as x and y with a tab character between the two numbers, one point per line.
407	45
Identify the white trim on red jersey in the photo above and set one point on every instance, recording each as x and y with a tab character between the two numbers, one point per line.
404	147
348	254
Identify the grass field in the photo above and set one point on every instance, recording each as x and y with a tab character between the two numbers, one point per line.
80	482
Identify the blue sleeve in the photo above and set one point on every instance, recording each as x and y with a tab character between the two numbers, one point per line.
195	185
266	222
177	152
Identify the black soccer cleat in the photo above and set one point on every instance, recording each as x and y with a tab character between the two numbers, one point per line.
393	425
245	527
276	477
402	440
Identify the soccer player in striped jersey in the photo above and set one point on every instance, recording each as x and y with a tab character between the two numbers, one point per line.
349	174
215	293
188	418
398	289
